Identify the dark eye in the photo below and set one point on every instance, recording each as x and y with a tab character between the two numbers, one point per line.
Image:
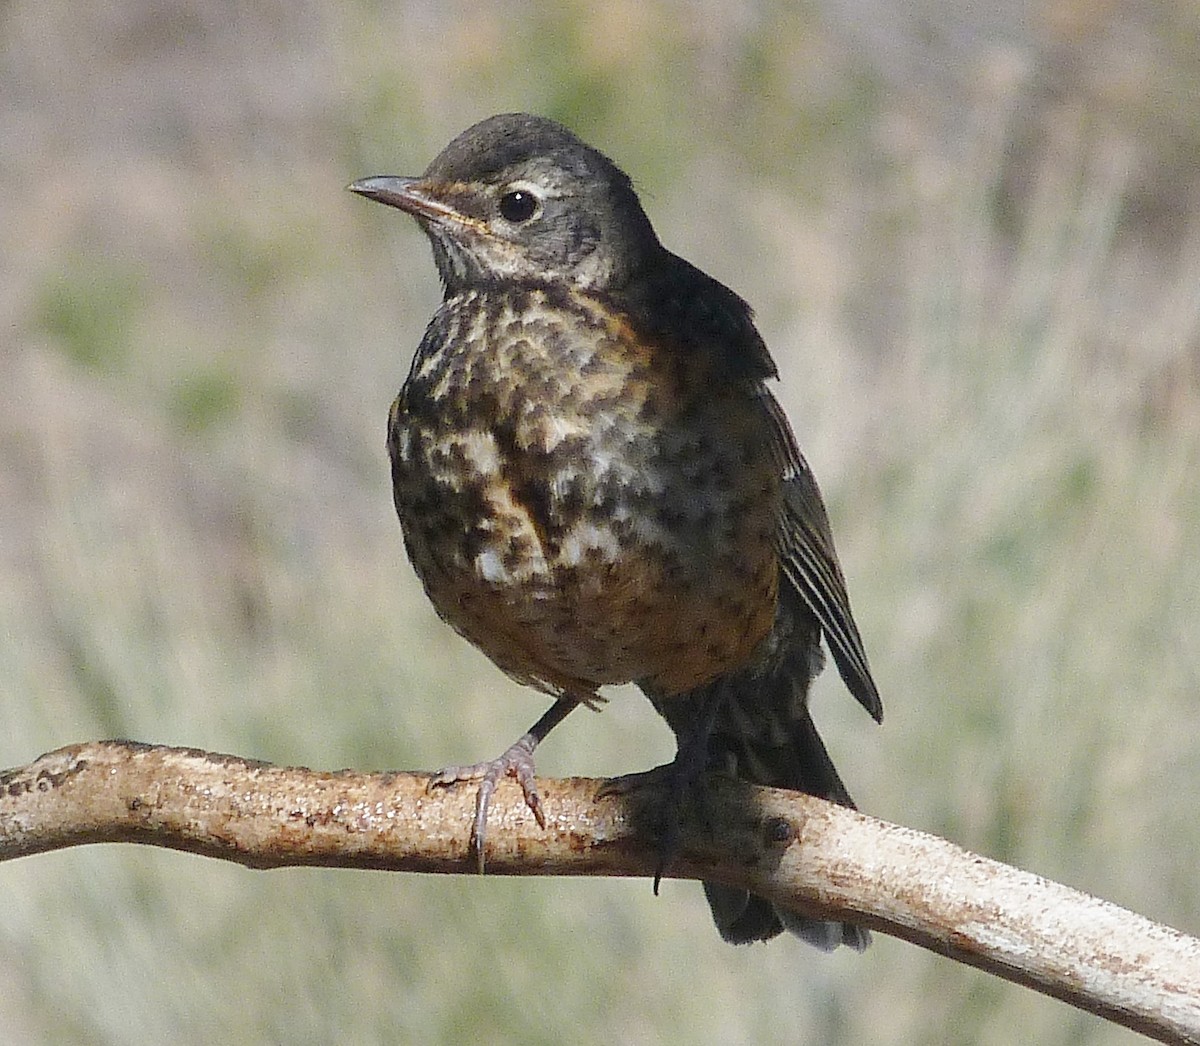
518	205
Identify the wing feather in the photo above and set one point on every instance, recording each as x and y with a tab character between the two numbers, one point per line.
810	563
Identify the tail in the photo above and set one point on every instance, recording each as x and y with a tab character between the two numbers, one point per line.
762	732
790	755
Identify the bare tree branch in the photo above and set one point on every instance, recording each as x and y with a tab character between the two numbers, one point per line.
801	851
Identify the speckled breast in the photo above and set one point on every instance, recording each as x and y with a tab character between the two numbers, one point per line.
583	506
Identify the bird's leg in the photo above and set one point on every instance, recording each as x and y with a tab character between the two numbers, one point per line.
516	761
676	777
690	762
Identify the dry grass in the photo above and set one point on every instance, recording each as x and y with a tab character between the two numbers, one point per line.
986	318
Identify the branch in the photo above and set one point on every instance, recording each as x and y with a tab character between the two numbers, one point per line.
797	850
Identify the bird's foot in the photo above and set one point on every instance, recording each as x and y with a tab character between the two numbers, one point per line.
673	780
653	779
516	762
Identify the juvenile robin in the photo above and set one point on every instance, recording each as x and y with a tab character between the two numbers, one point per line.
595	485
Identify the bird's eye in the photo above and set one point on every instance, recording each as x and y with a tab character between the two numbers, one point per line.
518	205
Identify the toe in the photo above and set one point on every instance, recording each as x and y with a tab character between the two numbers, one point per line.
483	799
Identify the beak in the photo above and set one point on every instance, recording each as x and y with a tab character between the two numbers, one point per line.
411	195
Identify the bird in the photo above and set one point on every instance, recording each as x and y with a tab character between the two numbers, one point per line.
596	486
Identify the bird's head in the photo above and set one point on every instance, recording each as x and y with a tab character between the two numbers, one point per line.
519	198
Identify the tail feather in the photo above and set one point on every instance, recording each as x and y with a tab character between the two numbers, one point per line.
802	764
743	918
762	732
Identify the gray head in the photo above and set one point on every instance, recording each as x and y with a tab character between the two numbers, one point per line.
520	198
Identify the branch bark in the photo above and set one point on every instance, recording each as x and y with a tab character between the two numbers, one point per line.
800	851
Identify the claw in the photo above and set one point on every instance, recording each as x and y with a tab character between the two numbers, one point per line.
516	762
626	784
674	778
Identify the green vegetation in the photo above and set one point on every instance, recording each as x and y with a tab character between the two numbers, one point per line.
88	308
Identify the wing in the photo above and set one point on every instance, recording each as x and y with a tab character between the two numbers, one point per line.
810	563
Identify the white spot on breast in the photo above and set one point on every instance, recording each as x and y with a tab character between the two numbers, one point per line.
403	438
480	450
490	566
556	428
585	537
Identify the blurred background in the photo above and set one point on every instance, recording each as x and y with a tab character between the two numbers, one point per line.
969	233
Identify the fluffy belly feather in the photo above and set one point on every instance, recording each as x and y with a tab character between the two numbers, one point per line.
590	525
